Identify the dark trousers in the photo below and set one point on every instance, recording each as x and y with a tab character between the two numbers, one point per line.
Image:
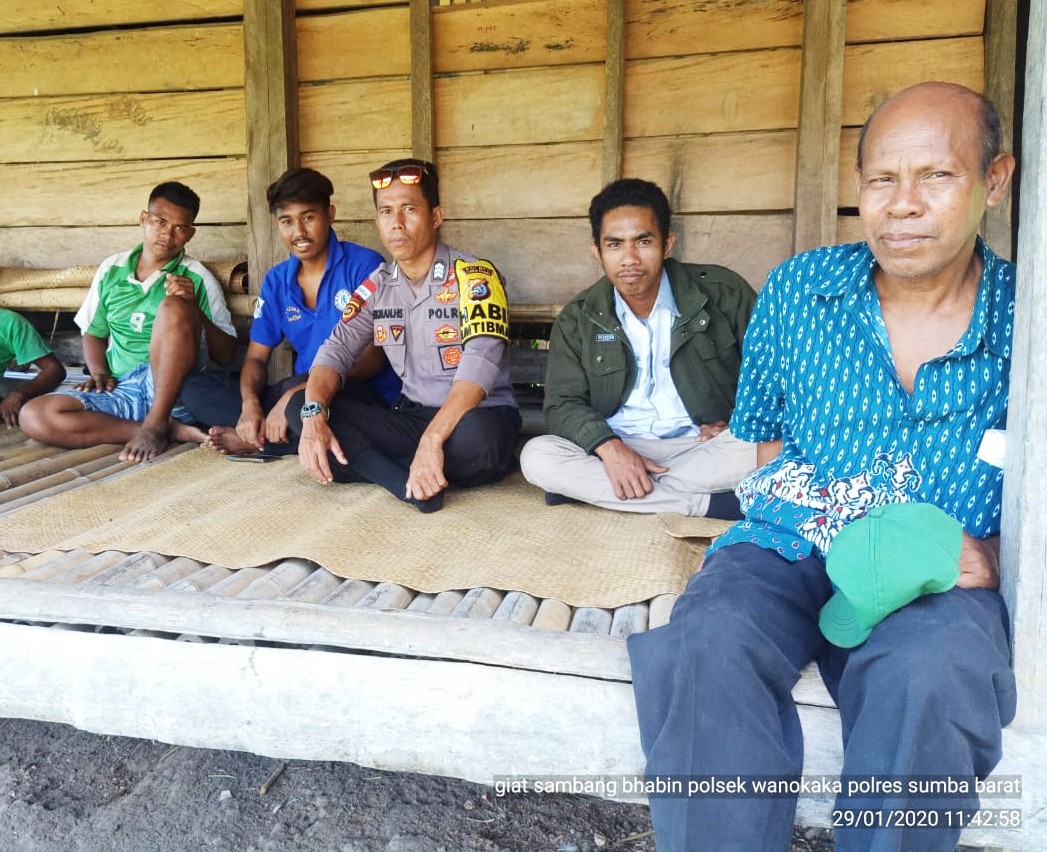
926	695
480	449
214	399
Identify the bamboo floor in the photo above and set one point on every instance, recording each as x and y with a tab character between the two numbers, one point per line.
290	661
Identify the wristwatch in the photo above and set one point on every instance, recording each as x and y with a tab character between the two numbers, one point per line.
311	409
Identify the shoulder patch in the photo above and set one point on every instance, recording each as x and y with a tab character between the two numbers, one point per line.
356	301
483	308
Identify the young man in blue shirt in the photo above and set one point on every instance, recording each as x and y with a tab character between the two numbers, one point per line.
301	300
872	375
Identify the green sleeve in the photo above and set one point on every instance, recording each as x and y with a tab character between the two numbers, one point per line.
20	339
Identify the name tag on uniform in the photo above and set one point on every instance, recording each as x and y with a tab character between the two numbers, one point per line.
605	337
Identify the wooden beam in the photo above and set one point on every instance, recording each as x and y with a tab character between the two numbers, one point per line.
270	98
422	141
1024	581
821	110
396	713
614	92
494	643
1001	33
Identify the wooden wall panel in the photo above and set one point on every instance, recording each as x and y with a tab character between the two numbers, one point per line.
529	181
751	245
115	193
348	172
848	189
544	261
872	72
729	171
681	27
526	181
895	20
423	98
817	144
549	260
849	230
477	37
712	94
42	15
209	56
520	107
711	108
131	126
324	5
91	121
355	115
364	43
520	182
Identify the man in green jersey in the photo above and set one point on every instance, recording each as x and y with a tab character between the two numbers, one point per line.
22	344
151	316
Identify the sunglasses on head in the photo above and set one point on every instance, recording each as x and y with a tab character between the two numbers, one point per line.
408	175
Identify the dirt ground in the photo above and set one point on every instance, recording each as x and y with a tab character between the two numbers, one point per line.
63	790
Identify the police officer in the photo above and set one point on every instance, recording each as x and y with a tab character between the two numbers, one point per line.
439	315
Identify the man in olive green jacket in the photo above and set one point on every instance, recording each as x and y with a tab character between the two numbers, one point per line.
643	368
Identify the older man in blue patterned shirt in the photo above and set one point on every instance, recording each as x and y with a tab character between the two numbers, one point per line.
872	374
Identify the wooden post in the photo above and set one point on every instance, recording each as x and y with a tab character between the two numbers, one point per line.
818	138
1001	28
271	104
422	142
614	95
1025	495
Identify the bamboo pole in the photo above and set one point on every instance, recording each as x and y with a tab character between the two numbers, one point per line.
552	615
661	606
517	608
478	603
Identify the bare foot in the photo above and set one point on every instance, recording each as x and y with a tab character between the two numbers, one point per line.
147	443
184	433
225	440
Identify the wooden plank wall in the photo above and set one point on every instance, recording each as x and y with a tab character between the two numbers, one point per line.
710	108
103	99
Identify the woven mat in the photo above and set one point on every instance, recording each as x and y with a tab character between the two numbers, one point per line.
502	536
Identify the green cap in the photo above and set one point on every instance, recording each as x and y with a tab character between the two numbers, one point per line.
886	560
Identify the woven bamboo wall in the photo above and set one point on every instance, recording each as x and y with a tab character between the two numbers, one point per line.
103	99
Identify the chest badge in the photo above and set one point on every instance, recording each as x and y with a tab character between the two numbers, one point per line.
446	295
447	334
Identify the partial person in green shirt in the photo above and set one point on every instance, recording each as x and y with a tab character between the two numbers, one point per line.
21	344
151	317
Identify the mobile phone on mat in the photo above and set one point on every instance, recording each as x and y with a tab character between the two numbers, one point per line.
261	458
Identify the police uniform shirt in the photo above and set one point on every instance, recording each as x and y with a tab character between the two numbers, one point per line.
420	335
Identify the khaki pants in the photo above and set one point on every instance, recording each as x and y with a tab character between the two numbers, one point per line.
696	470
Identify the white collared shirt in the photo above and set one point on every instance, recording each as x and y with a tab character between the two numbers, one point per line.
653	408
